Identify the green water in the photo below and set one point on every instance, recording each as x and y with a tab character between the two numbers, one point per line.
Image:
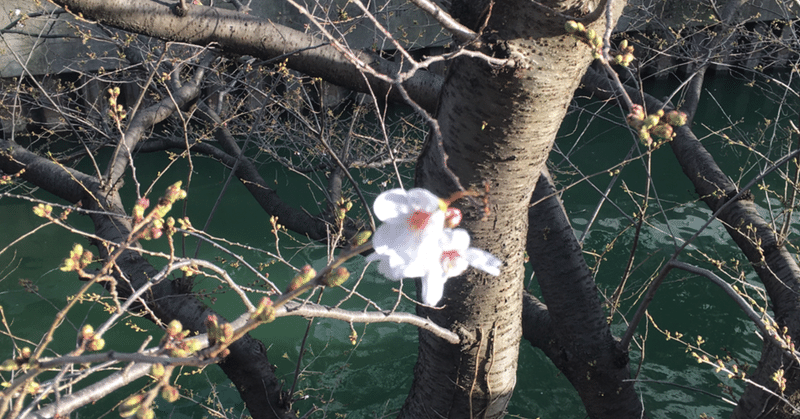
371	379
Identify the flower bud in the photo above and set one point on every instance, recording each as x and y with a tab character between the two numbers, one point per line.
676	118
155	233
265	312
452	217
627	59
145	413
227	333
572	26
32	387
68	265
9	365
663	131
214	331
96	344
644	137
87	332
174	192
157	371
131	405
650	121
170	394
337	277
174	328
193	345
86	258
623	44
361	238
42	210
306	274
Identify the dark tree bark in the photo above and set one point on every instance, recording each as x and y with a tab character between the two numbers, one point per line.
497	126
579	341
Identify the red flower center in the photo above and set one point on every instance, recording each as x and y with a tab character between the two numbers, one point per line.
449	258
419	219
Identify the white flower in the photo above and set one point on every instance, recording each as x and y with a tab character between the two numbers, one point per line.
412	225
413	242
455	256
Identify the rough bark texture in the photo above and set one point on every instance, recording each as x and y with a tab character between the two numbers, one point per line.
580	344
775	266
245	34
497	126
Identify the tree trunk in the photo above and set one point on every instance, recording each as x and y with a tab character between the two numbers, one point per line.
497	126
581	344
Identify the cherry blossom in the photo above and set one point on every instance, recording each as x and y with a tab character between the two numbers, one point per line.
455	256
413	221
413	241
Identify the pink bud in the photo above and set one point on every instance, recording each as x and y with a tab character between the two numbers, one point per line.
452	217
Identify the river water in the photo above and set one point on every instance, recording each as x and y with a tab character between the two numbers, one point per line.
371	378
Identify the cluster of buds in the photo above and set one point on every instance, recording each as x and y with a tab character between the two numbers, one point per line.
733	372
116	111
780	379
219	333
90	339
175	342
43	210
336	277
265	312
587	36
78	259
658	125
8	179
307	273
624	54
158	225
342	206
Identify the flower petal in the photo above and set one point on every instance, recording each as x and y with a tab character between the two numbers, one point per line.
391	204
432	289
483	260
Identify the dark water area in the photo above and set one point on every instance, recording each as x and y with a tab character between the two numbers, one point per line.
372	378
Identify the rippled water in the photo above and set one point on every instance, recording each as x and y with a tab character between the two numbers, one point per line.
372	378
